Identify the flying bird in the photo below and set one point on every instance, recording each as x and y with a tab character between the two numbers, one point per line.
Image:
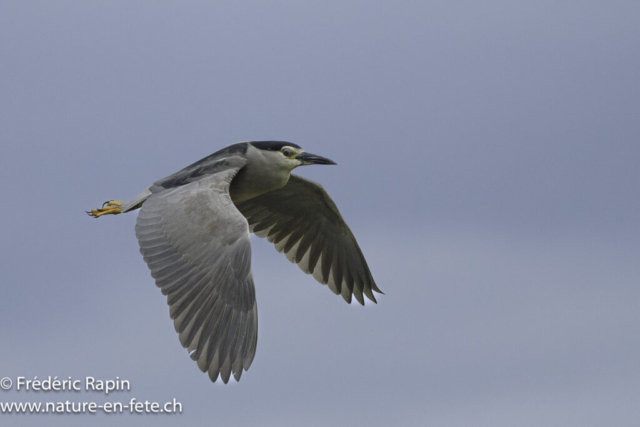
193	230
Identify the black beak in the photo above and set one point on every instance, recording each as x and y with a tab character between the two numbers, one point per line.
312	159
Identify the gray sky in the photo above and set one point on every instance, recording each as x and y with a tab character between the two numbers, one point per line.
487	158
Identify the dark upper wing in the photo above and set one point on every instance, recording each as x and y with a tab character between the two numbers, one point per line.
304	223
197	247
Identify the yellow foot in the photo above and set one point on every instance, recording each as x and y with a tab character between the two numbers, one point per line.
111	207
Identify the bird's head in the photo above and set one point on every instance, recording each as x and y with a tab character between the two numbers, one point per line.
288	156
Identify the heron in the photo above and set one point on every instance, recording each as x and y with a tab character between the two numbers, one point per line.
193	230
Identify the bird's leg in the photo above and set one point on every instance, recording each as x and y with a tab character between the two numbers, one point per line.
112	207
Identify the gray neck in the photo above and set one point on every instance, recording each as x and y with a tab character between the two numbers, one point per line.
257	177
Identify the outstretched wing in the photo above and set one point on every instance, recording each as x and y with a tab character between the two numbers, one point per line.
304	223
197	247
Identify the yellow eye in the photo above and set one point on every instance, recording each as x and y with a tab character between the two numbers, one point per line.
286	152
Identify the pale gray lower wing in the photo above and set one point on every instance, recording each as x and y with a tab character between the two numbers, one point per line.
304	223
197	247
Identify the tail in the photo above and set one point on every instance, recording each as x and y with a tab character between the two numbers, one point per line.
136	202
